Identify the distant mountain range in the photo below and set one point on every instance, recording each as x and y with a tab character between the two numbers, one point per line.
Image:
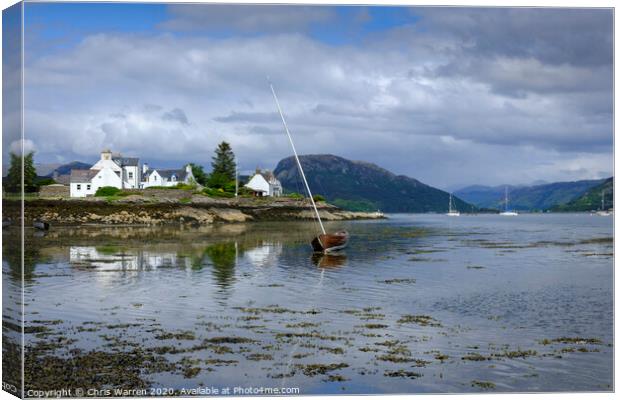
65	169
358	185
591	199
528	198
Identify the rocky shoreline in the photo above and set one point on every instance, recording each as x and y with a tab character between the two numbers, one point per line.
196	210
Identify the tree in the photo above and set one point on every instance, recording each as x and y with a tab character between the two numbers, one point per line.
30	173
199	174
224	161
14	175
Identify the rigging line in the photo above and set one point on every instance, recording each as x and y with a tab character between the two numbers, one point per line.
296	156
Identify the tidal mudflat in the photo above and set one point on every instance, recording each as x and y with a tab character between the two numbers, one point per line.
417	303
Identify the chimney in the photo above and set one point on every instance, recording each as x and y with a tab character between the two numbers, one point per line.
106	154
145	167
188	168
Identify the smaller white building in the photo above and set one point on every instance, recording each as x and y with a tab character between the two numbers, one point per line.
166	177
264	183
86	182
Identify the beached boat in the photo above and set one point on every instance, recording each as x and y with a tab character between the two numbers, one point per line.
507	212
452	212
324	242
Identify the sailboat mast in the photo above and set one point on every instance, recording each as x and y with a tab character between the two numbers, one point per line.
301	170
506	198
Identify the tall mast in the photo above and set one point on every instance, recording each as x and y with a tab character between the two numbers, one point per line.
301	170
602	200
506	198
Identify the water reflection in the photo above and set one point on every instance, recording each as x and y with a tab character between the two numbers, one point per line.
329	260
221	257
110	258
264	255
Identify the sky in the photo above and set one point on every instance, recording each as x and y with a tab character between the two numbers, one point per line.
449	96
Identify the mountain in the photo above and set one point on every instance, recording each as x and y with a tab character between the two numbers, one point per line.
358	185
65	169
591	199
527	198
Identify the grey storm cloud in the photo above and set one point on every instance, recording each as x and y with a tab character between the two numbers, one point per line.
249	117
253	18
176	114
497	95
550	35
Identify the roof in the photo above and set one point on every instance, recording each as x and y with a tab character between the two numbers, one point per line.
180	174
62	179
83	175
126	161
269	177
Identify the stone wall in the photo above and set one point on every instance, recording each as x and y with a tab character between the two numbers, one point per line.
54	191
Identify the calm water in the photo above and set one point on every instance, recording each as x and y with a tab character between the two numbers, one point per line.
418	303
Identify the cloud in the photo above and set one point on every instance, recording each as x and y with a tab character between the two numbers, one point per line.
16	146
175	114
442	100
246	19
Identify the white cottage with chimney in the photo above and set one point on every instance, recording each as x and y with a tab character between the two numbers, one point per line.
111	170
264	183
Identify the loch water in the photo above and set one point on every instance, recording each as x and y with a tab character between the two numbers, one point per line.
416	304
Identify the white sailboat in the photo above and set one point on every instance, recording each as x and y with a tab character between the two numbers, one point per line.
603	212
324	242
506	212
452	212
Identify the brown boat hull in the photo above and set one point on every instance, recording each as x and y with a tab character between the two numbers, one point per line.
329	242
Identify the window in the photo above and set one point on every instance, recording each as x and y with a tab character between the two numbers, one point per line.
87	187
79	187
130	175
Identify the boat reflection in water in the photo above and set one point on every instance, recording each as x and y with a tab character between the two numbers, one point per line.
328	260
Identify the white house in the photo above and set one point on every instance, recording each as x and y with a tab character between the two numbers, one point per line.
110	170
166	177
264	183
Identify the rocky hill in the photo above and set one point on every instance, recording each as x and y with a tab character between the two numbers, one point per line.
362	186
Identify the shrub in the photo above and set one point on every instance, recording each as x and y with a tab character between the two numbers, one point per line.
211	192
295	195
107	191
318	197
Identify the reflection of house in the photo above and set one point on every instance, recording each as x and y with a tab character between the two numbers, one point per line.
264	183
264	255
110	259
166	177
110	170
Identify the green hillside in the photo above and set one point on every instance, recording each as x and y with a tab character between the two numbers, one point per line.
362	186
527	198
591	199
